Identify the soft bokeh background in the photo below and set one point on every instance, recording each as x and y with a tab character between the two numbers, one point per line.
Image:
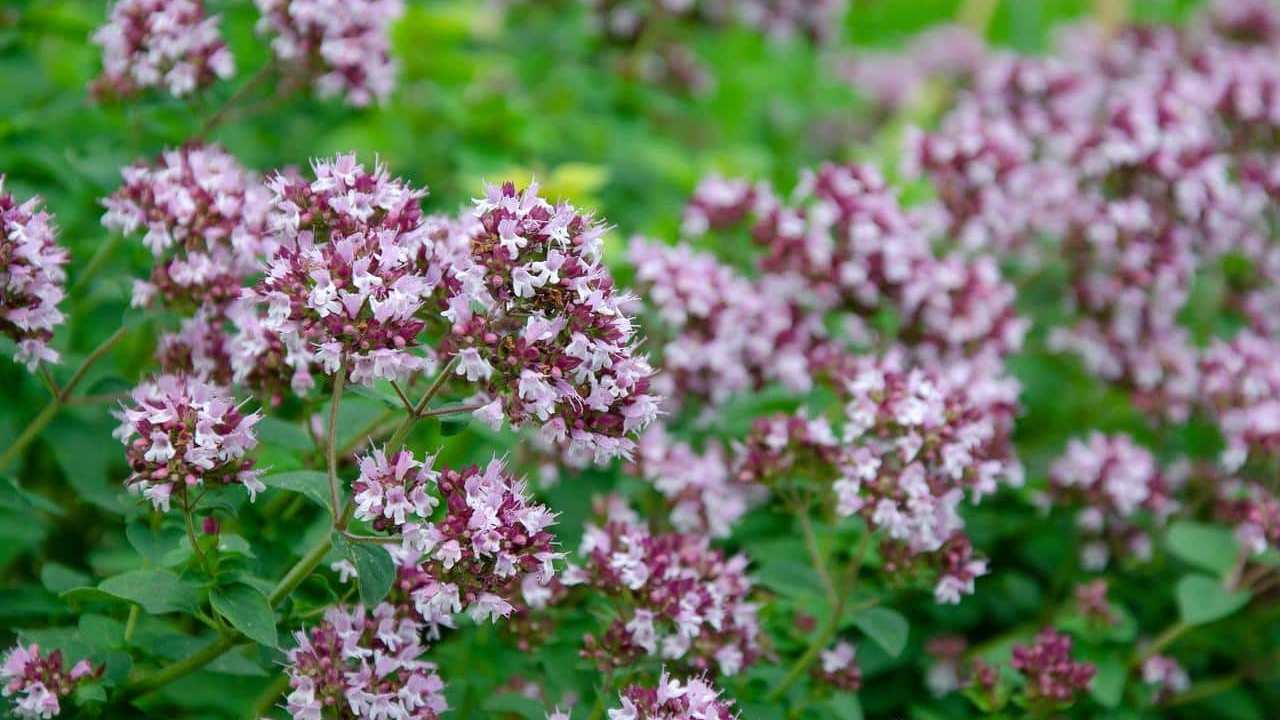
479	97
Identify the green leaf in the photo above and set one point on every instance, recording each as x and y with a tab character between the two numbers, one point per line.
58	578
886	627
311	483
845	706
1108	684
14	497
151	544
1208	547
157	591
516	704
101	632
790	578
248	611
375	571
1202	599
449	428
90	693
274	431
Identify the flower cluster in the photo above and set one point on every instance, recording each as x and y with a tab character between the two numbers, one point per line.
1093	605
843	243
1050	672
1240	381
37	683
343	277
477	556
898	79
31	278
343	46
724	334
700	488
1149	153
180	432
168	44
1165	676
204	218
358	664
537	322
391	492
838	667
1254	510
911	445
686	601
694	698
1111	479
198	348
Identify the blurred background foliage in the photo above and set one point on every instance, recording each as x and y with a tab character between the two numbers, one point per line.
481	96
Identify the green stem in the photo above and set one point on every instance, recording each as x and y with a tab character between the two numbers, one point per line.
290	582
268	697
191	533
1205	689
95	264
132	623
1163	640
331	443
824	636
402	431
42	420
815	553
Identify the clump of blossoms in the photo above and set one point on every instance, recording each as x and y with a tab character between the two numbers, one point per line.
169	44
344	47
1240	382
203	216
31	278
198	348
700	488
1092	604
1164	676
686	602
1052	676
270	363
1255	512
694	698
725	334
911	445
180	432
537	322
894	80
359	664
476	555
343	275
1112	480
37	683
838	667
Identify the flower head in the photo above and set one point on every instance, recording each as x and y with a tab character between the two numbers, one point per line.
362	664
343	47
344	277
538	324
169	44
180	431
694	698
202	216
37	683
31	278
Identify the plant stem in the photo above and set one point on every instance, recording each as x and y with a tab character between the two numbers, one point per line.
815	553
1163	640
220	114
382	539
458	409
823	638
1205	689
268	698
290	582
191	533
95	263
402	431
132	623
331	442
976	15
41	421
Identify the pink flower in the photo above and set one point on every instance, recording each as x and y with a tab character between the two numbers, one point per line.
1050	672
344	276
837	666
344	48
38	683
169	44
363	664
203	217
32	279
537	323
694	698
179	432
